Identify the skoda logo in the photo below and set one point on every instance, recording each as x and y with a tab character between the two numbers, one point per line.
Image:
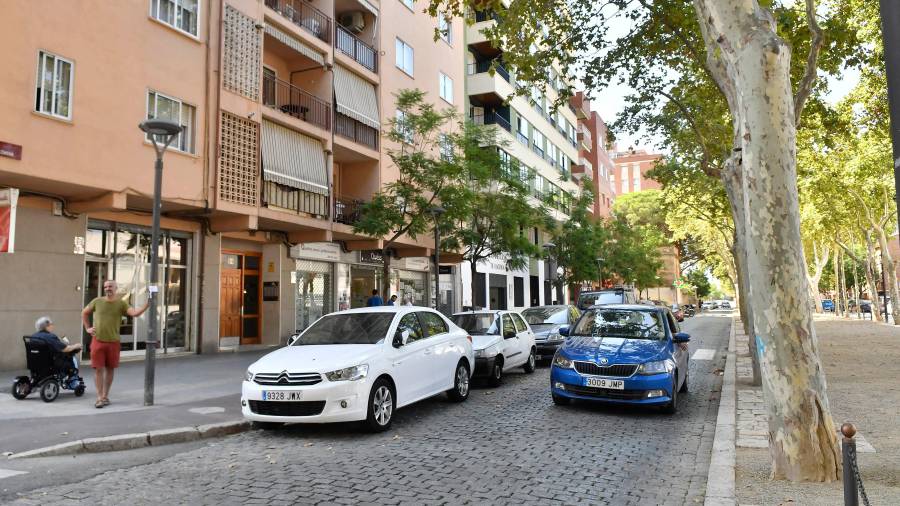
604	361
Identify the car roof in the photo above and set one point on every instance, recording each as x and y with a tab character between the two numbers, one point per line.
558	307
630	307
384	309
480	311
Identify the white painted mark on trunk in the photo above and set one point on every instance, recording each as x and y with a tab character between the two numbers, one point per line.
6	473
704	354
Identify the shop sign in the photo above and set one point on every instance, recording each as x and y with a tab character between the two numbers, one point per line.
10	150
445	269
417	263
327	251
371	257
270	291
8	199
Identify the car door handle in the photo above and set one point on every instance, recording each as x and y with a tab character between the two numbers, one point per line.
428	351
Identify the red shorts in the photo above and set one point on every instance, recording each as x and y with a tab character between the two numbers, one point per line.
104	354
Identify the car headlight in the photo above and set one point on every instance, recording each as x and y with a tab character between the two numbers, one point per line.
657	367
348	373
554	336
248	376
490	351
562	362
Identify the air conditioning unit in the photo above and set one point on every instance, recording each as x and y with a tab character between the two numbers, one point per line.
352	21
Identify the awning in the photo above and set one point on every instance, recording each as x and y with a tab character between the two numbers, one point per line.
369	7
296	45
293	159
355	97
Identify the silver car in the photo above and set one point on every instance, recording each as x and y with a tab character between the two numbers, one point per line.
546	321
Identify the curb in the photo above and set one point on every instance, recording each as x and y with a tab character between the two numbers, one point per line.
720	480
139	440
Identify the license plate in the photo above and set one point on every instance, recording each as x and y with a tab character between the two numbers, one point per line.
605	383
281	395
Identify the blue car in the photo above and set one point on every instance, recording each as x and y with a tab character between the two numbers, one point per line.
629	354
827	305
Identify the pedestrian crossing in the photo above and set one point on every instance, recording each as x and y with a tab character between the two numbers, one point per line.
704	354
9	473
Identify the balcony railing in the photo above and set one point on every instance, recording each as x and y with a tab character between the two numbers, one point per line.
350	45
487	15
349	128
347	209
293	199
483	66
291	100
304	15
492	118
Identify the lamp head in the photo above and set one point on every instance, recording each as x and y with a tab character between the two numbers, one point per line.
156	127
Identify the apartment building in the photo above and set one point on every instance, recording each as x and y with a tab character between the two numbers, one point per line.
544	144
283	105
593	158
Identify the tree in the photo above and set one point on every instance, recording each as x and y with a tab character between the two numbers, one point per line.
401	207
578	240
698	280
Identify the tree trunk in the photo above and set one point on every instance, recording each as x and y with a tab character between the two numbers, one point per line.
743	288
890	274
856	291
872	276
386	273
753	67
819	263
841	279
473	269
839	308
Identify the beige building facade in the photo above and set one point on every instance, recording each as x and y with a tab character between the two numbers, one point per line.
283	105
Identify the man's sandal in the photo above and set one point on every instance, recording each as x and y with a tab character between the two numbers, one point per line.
105	401
98	404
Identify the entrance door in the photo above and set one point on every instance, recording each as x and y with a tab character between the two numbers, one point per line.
95	273
240	304
230	307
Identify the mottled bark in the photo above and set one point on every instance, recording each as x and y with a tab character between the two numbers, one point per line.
752	67
890	273
819	262
734	190
872	276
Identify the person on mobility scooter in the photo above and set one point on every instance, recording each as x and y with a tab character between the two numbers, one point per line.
51	362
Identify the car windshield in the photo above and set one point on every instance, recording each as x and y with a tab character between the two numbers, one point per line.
626	323
476	323
546	315
587	300
353	328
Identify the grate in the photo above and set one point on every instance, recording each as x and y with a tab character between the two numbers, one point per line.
300	408
239	160
287	378
242	51
618	371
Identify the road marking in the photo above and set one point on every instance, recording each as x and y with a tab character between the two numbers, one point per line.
6	473
704	354
207	410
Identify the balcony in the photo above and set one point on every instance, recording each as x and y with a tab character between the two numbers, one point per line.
584	136
283	197
347	209
484	66
295	102
351	46
358	132
304	15
492	118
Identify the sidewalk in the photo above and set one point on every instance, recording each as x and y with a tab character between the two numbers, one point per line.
862	366
190	390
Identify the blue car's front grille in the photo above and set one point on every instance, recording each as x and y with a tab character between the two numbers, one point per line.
605	393
618	370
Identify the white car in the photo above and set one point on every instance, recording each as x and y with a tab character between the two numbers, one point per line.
502	341
359	365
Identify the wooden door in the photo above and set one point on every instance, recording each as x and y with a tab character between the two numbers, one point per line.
230	305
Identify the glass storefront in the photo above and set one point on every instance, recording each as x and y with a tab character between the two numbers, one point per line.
411	285
314	295
122	252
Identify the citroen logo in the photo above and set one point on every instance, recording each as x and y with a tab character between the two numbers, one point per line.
604	361
283	377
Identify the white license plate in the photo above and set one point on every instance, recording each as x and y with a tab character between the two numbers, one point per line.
605	383
281	395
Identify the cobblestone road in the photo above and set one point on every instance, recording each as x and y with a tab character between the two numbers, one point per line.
509	445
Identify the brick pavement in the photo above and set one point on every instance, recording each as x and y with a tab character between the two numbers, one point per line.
503	446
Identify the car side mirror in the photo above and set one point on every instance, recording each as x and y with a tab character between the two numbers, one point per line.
681	337
400	338
564	331
509	334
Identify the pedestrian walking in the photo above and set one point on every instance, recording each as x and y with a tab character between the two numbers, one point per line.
392	301
106	343
375	300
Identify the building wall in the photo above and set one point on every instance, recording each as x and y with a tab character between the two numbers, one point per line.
597	155
631	163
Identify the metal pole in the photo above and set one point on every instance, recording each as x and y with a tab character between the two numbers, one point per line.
437	266
151	342
890	30
848	450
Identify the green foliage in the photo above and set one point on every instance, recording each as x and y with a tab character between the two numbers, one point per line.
699	282
579	241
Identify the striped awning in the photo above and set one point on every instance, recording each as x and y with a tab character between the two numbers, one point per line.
296	45
355	97
293	159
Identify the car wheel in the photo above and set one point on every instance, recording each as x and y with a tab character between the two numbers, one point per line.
381	406
460	390
21	388
49	391
684	386
531	363
672	406
266	425
560	400
496	377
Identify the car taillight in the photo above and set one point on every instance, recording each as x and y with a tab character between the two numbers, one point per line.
469	338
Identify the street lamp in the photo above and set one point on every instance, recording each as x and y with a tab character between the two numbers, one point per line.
436	213
161	133
551	268
658	297
600	271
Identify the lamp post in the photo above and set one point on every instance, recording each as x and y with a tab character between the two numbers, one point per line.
161	133
551	265
658	297
600	271
436	213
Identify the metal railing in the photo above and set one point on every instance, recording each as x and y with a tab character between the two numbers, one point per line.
350	45
347	209
304	15
480	67
291	100
487	15
349	128
293	199
492	118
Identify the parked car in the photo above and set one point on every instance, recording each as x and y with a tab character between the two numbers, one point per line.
501	341
608	296
545	322
359	365
708	306
689	310
677	312
725	305
628	354
827	305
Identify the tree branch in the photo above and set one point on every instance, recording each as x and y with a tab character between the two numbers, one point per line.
809	76
704	164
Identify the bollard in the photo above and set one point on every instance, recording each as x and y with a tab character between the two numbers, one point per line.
848	449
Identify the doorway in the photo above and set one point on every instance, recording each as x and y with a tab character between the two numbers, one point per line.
241	292
498	291
363	280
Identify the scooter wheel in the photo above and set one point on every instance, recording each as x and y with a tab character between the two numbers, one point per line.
49	391
21	388
79	391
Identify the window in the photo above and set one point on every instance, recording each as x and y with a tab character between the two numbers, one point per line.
522	130
432	323
404	57
551	151
410	323
446	87
405	130
445	26
54	86
519	293
637	183
180	14
269	78
508	325
446	147
160	106
538	142
408	3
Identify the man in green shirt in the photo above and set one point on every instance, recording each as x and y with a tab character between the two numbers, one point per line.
106	342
